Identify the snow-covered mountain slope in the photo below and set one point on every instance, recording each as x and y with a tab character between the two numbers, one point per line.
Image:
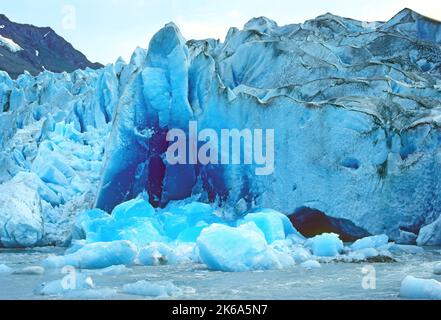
355	107
26	47
10	44
53	130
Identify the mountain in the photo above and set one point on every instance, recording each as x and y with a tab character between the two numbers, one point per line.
356	109
26	47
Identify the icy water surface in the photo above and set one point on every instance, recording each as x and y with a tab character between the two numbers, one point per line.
332	281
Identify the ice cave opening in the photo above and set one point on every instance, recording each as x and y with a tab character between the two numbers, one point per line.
312	222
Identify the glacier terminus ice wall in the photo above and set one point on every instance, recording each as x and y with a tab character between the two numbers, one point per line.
356	109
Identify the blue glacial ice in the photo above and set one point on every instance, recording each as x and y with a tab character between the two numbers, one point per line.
274	225
311	264
261	240
20	215
355	110
244	248
364	145
371	242
79	286
437	268
430	235
156	254
162	289
5	270
421	289
325	245
32	270
115	270
96	255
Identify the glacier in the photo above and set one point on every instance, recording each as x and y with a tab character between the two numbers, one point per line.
355	108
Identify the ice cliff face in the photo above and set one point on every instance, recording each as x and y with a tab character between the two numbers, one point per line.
355	107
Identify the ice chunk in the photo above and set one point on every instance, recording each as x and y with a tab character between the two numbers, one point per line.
127	223
140	231
311	264
75	246
84	223
4	269
110	271
137	221
424	289
71	282
96	256
159	254
34	270
430	235
410	249
191	234
437	268
238	249
364	254
160	289
185	222
137	208
275	225
370	242
35	183
21	222
325	245
300	254
91	294
113	271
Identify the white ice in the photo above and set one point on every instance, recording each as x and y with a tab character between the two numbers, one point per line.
421	289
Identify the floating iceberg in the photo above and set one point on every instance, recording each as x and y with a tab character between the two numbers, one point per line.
311	264
423	289
5	270
364	254
115	270
375	242
325	245
96	256
160	254
69	283
300	254
78	286
261	240
163	289
400	248
244	248
33	270
274	225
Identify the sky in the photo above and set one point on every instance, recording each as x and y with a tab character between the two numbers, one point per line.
107	29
